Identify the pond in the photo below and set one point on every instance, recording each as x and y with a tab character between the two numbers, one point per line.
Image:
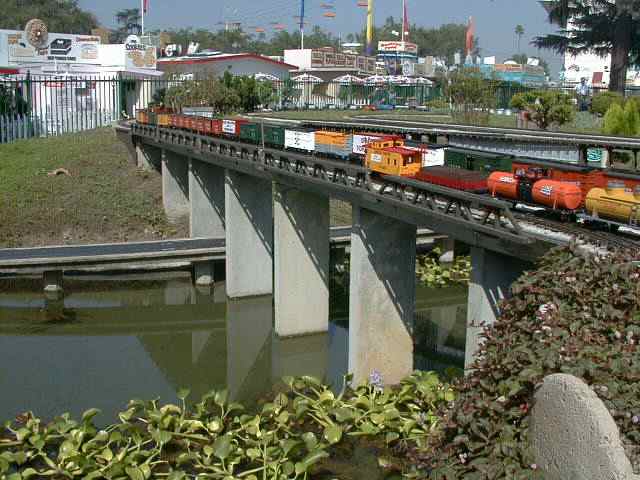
111	339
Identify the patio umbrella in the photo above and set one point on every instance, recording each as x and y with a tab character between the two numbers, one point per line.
265	77
423	81
307	78
348	79
376	79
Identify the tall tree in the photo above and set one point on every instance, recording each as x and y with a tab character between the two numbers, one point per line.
519	35
600	26
62	16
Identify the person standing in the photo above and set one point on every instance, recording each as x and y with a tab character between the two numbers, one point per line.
582	92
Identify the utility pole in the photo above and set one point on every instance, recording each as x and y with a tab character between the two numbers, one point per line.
302	24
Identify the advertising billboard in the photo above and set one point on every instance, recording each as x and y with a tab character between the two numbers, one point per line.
59	48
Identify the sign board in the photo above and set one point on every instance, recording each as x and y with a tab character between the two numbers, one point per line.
376	157
300	140
60	48
229	127
138	55
398	47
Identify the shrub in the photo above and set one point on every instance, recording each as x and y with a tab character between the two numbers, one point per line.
622	121
577	314
545	108
602	101
437	104
284	440
472	96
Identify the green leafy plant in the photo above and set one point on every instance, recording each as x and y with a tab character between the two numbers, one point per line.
622	121
432	273
285	439
545	108
602	101
577	313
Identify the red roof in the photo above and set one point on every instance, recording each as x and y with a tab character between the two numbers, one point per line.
401	150
224	58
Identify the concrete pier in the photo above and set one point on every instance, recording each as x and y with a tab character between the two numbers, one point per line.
249	354
301	262
175	185
203	273
491	277
249	235
148	157
52	280
382	297
206	199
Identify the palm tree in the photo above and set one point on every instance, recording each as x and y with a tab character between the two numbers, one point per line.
519	34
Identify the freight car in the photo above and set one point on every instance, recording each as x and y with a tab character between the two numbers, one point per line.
532	187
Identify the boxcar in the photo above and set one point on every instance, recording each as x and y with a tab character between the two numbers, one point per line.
164	119
334	144
142	116
361	140
250	132
300	140
231	127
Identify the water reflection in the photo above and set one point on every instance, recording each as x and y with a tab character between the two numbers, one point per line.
108	342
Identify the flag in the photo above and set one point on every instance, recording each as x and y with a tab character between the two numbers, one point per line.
471	31
405	21
145	7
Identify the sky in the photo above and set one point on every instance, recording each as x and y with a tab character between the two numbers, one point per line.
495	19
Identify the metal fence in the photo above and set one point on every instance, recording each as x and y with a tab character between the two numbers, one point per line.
52	105
45	106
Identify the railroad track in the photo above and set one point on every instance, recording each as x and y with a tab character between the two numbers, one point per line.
597	237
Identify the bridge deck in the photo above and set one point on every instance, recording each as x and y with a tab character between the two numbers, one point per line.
140	253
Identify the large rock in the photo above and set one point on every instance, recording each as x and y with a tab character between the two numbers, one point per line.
572	434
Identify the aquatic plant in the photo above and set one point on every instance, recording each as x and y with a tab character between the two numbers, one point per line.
284	439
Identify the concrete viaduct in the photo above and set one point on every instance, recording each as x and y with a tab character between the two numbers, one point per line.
272	207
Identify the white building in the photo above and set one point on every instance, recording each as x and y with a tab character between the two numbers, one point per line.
76	82
238	64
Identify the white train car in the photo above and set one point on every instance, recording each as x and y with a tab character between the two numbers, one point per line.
304	140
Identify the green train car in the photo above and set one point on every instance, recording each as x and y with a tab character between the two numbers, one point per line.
252	133
484	162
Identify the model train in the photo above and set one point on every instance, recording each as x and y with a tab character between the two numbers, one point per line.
595	195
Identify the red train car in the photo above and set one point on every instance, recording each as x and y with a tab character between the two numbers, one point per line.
466	180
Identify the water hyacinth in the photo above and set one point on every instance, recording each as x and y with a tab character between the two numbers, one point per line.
287	438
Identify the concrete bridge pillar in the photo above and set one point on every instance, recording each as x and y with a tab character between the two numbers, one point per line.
249	235
301	262
491	277
382	297
148	157
52	280
175	185
206	199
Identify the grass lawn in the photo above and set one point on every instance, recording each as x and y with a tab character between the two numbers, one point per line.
105	199
584	122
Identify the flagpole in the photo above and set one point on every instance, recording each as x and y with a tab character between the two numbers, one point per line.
404	9
142	12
